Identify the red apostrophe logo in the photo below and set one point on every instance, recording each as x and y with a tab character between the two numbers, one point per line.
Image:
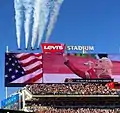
53	47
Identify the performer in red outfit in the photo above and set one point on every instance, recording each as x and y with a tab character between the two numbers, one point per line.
102	69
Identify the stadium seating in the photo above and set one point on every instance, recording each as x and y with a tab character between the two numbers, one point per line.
61	104
81	110
71	89
41	109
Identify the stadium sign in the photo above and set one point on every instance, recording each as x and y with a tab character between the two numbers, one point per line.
9	101
80	48
60	48
53	47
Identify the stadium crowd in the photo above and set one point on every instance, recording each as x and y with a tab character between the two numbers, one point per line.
81	110
44	109
71	89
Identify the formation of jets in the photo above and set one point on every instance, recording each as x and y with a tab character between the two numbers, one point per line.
28	48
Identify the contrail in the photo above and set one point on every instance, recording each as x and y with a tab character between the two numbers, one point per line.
28	5
18	19
44	17
53	18
36	19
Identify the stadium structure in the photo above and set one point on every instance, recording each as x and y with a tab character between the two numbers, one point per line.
71	96
67	98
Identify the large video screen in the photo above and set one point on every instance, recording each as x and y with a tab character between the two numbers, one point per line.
56	68
80	66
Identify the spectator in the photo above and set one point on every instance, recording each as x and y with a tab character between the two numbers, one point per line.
43	109
71	89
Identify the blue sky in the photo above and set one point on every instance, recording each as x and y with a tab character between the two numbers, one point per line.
81	22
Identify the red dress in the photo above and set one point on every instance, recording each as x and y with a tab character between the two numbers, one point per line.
82	74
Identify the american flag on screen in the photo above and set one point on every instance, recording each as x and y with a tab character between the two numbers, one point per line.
23	67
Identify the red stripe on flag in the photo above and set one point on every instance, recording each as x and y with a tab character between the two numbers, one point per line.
34	69
29	63
25	56
37	55
32	80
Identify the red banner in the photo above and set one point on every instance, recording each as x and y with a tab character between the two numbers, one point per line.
53	47
111	85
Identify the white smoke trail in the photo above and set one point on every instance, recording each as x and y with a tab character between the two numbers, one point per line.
28	5
44	17
36	17
18	19
53	18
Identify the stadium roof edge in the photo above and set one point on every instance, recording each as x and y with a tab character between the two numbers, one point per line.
42	96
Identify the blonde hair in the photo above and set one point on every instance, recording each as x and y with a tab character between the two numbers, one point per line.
107	63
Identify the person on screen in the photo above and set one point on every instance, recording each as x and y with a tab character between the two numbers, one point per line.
102	69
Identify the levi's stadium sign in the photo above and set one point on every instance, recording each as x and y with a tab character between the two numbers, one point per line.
53	47
60	48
